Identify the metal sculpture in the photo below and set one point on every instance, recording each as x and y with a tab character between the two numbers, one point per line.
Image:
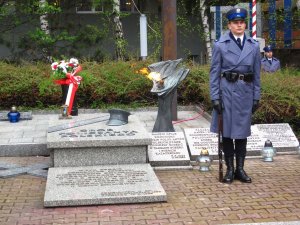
167	78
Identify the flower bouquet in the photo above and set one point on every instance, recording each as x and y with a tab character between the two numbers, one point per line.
65	74
62	68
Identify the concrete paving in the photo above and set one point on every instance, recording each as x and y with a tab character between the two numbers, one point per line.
194	197
28	137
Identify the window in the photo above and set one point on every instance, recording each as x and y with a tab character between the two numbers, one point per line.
129	6
87	6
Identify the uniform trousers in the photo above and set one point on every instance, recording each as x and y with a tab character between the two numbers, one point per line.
237	147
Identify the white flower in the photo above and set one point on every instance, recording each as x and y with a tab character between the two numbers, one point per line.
74	61
63	66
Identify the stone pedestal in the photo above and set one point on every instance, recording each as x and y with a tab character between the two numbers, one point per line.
100	164
99	144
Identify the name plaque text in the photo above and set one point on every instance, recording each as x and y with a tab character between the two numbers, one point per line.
168	147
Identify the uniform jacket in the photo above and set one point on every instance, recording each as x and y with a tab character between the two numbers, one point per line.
270	67
237	97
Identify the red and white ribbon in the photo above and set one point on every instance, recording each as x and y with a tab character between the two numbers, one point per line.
73	81
254	19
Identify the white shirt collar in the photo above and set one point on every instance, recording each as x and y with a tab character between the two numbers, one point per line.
241	37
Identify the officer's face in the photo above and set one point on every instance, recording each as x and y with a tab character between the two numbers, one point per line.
269	54
237	27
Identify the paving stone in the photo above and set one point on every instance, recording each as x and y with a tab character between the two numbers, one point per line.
4	141
27	149
22	140
11	135
273	223
38	173
7	165
13	172
31	134
9	169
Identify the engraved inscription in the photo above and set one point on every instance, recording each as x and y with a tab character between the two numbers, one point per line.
201	138
129	193
83	133
101	177
281	135
254	142
170	145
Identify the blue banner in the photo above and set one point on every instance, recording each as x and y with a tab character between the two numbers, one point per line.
218	22
272	22
287	23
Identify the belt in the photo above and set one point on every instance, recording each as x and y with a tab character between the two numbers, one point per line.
234	76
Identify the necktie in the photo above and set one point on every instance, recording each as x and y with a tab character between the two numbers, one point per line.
238	40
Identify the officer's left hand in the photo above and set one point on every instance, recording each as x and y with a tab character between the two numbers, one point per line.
255	105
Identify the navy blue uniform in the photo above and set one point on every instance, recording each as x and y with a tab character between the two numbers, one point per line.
235	91
270	66
237	97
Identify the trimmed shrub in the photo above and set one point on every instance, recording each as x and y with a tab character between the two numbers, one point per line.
117	84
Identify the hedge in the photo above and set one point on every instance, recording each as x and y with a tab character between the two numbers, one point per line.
117	84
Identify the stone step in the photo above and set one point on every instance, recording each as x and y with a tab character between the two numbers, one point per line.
97	185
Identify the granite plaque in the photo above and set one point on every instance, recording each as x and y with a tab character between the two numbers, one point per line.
99	135
280	134
168	149
96	185
254	142
201	138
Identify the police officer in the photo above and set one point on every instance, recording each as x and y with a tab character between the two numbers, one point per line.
235	90
269	63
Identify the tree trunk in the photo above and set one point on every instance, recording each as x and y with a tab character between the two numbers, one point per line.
206	29
45	27
119	34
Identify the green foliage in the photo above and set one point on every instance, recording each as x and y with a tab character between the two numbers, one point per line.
86	36
280	100
19	85
89	35
155	36
66	39
118	82
110	84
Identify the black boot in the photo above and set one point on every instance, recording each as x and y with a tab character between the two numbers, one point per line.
240	174
229	176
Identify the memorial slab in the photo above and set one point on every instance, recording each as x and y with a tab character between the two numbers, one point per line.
97	185
280	134
168	149
99	144
199	139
